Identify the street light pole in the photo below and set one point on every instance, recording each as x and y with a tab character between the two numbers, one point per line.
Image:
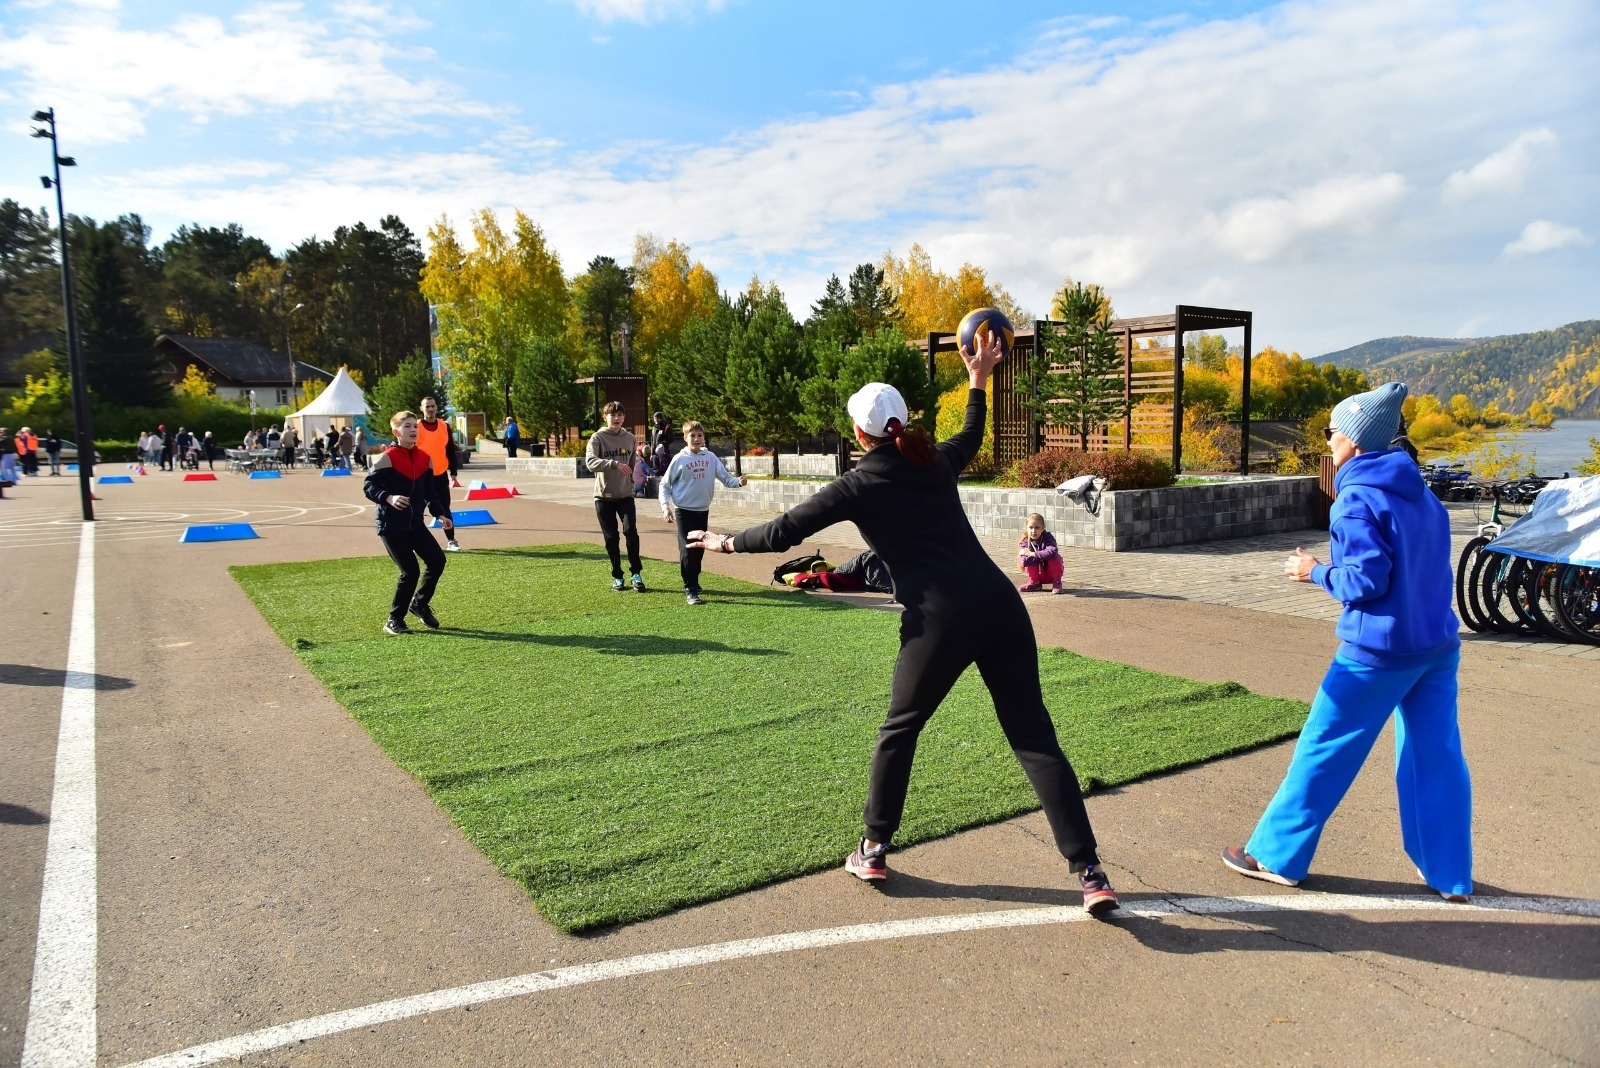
288	349
83	429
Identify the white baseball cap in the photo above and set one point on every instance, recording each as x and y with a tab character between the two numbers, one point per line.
874	404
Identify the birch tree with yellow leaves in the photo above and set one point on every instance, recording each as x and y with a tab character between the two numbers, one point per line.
493	301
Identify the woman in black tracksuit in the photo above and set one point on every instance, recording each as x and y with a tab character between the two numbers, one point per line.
399	483
960	609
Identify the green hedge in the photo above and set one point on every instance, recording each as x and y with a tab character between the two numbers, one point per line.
1121	470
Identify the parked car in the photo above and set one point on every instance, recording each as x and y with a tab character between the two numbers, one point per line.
69	454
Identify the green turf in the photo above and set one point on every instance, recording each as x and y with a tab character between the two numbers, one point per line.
623	755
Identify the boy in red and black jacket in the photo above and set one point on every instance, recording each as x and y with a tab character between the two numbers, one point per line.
400	481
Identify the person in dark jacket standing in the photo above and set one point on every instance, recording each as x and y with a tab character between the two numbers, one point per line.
959	609
1399	653
52	449
399	483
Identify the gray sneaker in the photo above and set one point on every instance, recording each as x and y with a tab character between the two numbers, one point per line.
693	597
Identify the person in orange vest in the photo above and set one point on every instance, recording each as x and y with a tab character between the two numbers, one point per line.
433	438
28	450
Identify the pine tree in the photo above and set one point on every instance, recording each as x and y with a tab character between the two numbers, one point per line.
1075	380
766	365
544	395
118	350
690	378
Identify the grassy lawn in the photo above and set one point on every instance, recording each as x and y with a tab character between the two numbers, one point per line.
623	755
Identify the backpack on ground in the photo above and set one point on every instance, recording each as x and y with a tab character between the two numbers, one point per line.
799	565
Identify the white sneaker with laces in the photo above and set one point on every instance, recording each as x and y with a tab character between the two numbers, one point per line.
452	546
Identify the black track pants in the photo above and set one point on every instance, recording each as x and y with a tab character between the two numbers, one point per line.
441	486
689	559
934	651
612	515
405	546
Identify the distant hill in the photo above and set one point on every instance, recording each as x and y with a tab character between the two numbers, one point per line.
1370	354
1559	368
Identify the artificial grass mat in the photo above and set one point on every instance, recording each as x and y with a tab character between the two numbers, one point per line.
623	755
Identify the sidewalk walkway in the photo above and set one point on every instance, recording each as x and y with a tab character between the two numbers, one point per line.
1240	573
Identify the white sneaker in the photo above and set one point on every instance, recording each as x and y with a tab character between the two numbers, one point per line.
452	546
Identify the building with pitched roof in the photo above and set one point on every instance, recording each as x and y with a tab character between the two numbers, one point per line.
235	367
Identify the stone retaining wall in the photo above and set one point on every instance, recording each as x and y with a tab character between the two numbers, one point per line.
813	466
1128	519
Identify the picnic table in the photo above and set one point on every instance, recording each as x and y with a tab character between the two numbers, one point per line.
247	460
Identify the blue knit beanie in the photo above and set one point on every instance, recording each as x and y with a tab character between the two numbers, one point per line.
1370	419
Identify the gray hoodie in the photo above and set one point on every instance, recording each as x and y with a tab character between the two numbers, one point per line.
608	450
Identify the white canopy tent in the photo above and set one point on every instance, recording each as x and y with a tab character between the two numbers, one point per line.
341	404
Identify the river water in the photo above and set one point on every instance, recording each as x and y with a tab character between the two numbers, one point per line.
1561	448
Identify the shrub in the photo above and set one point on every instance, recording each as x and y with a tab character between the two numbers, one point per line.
1121	470
1433	425
573	447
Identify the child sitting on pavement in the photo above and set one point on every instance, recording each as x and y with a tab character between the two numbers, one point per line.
1039	557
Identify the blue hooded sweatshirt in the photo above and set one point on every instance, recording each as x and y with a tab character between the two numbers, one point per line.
1391	564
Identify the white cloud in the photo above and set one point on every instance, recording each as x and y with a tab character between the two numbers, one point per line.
645	10
1542	235
1261	229
1503	172
270	60
1266	162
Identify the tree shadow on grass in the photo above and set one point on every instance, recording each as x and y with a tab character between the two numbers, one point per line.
534	552
611	645
29	675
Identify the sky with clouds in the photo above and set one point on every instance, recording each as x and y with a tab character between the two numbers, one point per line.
1346	169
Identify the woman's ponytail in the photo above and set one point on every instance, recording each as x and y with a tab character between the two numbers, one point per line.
913	443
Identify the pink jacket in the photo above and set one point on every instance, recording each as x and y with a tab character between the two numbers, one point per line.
1037	552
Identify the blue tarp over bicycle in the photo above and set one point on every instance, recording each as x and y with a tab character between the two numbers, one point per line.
1563	526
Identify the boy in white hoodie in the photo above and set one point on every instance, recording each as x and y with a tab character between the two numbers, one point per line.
686	491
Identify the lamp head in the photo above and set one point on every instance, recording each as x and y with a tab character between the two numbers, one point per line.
46	181
44	116
66	161
42	133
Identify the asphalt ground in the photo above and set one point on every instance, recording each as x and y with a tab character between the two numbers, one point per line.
261	862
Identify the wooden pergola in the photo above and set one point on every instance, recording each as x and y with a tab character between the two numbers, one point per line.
1149	373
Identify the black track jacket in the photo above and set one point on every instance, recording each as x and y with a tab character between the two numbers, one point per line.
409	473
910	515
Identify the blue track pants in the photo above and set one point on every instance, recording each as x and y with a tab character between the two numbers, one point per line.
1430	771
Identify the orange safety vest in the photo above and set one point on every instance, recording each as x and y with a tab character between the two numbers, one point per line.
434	442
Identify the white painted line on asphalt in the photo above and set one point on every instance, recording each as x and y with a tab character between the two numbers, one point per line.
578	975
62	1023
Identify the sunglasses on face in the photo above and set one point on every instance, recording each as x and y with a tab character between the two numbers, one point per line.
1327	432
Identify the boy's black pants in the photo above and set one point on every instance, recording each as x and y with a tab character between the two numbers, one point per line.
405	546
614	514
689	559
935	648
441	486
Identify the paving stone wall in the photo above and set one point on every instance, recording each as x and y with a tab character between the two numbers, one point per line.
1128	519
813	466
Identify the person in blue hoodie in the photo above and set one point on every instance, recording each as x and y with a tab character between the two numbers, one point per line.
1399	652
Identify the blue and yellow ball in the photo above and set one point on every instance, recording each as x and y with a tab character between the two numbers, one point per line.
977	326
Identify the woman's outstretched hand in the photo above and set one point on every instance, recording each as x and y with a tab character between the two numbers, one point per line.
981	363
704	539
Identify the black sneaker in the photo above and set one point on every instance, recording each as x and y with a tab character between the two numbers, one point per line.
424	613
396	626
1098	897
638	582
693	597
1235	858
868	865
618	585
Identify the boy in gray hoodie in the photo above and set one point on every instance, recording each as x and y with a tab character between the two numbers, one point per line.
610	456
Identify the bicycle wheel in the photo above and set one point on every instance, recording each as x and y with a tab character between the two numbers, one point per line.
1578	601
1466	568
1517	593
1495	595
1538	594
